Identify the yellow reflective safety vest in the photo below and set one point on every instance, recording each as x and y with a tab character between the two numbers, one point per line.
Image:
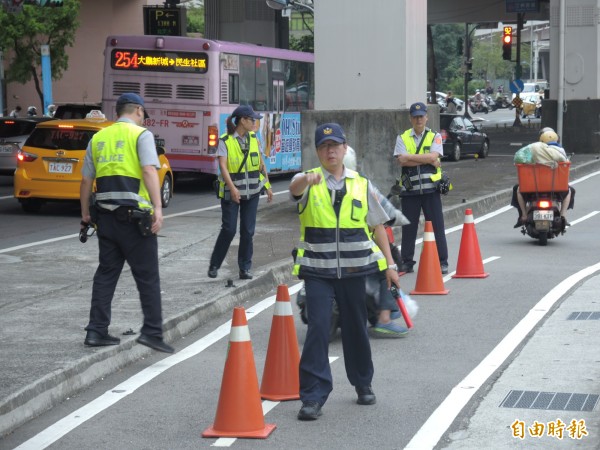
424	178
247	178
332	245
119	174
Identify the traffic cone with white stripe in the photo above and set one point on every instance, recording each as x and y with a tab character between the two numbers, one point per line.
429	276
239	412
470	264
281	376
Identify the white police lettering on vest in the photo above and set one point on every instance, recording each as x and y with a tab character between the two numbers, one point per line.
110	158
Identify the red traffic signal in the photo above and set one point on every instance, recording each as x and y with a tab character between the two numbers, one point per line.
507	43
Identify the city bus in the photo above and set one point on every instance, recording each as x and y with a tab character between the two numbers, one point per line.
191	85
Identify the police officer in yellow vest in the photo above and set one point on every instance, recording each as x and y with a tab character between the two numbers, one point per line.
122	158
338	211
242	177
418	151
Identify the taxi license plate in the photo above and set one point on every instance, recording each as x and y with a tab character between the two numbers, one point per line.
6	148
543	215
56	167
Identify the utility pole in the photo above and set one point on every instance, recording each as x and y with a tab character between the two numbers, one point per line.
518	68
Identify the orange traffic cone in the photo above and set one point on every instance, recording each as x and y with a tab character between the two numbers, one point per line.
281	376
429	276
469	263
239	413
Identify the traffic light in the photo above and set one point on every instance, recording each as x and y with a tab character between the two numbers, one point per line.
469	69
507	43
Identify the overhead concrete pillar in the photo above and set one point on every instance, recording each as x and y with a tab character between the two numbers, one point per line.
370	55
579	75
370	66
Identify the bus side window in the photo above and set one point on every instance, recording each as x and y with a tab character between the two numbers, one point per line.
234	88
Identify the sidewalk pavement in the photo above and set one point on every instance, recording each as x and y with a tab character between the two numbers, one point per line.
46	304
545	398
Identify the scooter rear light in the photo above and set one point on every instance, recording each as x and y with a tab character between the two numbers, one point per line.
545	204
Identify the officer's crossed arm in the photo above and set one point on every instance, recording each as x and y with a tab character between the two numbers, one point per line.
410	160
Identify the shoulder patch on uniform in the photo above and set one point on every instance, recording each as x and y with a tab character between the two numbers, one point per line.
438	140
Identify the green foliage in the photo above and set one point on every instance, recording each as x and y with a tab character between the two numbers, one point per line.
24	33
305	43
448	62
195	19
486	52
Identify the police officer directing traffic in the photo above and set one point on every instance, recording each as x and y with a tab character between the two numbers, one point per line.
338	210
122	158
418	151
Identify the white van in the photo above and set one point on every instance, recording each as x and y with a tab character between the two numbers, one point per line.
532	88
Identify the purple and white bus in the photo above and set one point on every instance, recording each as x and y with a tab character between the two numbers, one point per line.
191	85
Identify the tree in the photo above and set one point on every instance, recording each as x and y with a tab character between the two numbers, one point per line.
195	19
24	33
449	75
305	43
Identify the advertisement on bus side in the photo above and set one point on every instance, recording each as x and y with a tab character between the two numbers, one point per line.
280	140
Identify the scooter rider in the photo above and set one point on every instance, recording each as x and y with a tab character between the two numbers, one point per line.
553	152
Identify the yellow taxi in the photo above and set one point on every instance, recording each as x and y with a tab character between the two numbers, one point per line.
49	164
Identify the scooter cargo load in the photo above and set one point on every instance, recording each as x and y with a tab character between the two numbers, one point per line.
542	178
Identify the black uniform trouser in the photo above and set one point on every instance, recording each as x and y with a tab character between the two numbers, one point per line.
121	241
315	373
431	204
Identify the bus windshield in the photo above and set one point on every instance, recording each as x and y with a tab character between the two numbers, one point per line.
190	86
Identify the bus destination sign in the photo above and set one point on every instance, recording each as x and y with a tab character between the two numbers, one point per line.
158	61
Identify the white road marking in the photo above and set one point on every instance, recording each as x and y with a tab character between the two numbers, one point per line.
71	236
587	216
54	432
434	428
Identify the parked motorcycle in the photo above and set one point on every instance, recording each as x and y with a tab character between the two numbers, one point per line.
541	187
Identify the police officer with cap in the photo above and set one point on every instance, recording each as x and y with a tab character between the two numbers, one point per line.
338	213
123	161
418	151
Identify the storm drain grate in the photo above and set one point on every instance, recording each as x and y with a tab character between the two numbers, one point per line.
584	315
561	401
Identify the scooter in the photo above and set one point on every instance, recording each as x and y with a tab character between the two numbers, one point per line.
543	217
502	101
491	103
478	106
541	187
